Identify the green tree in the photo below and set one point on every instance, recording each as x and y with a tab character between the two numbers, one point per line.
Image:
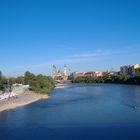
28	77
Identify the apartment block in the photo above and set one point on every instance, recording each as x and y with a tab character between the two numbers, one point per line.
130	70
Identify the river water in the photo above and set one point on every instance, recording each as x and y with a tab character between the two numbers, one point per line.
77	112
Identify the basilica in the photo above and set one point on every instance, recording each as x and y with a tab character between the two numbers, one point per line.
59	74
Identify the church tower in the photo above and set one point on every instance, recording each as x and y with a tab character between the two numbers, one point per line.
65	70
65	73
54	72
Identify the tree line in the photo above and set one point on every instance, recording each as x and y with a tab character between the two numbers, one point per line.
118	79
38	83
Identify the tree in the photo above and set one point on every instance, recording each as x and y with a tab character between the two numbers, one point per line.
28	77
0	75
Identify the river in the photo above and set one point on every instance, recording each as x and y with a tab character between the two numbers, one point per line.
77	112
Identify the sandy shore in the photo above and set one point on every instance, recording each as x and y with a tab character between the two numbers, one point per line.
21	100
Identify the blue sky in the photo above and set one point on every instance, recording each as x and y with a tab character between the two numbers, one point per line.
84	34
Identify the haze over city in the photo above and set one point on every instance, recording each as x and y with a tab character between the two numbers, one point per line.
86	35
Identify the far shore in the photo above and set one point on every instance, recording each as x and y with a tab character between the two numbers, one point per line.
21	100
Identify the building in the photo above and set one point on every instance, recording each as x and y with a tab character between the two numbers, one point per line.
60	75
54	72
137	71
124	70
66	73
98	74
90	73
130	70
113	73
77	74
95	74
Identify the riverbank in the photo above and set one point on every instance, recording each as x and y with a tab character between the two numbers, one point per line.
21	100
62	85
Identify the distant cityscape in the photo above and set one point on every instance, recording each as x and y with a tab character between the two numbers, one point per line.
131	70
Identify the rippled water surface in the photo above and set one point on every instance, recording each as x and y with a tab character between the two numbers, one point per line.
77	112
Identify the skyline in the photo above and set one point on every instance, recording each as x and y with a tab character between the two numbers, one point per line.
86	35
